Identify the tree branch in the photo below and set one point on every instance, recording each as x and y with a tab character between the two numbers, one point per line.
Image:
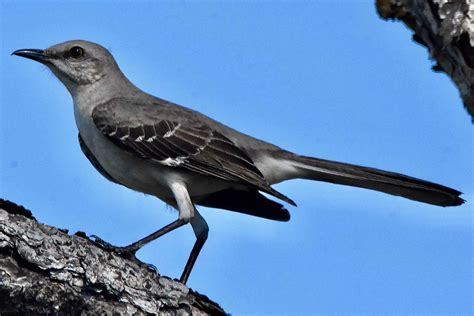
446	28
45	270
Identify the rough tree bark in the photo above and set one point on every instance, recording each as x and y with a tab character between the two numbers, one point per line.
446	28
45	270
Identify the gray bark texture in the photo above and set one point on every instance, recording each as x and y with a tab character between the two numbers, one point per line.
446	28
44	270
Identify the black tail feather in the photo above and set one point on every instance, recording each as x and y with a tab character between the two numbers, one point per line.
378	180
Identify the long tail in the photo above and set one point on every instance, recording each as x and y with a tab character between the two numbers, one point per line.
374	179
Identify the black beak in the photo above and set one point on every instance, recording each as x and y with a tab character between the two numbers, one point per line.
35	54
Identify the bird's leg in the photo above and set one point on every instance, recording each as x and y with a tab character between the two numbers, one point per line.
133	248
187	214
130	250
201	231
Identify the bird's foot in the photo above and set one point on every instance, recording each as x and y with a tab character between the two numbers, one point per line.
124	252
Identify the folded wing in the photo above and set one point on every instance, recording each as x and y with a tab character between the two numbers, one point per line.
148	133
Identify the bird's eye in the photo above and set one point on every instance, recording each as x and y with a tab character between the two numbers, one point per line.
76	52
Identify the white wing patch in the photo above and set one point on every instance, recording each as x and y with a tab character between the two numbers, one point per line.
172	162
170	133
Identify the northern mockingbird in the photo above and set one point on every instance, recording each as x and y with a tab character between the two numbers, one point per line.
186	158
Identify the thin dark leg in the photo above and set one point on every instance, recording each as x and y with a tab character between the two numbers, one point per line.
133	248
129	251
192	259
201	230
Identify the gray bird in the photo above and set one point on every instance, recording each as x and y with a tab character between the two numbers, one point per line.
186	158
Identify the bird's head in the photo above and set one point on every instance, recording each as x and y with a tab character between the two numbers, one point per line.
76	63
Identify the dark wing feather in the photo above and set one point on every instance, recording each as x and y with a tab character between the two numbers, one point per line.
247	202
189	145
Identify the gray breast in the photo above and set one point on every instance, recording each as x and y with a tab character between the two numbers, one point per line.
88	153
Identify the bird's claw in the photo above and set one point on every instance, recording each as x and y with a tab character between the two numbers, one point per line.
100	242
150	267
124	252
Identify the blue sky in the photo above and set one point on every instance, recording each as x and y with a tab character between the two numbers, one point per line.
321	78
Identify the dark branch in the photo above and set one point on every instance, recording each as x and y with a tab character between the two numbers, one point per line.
446	28
44	270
